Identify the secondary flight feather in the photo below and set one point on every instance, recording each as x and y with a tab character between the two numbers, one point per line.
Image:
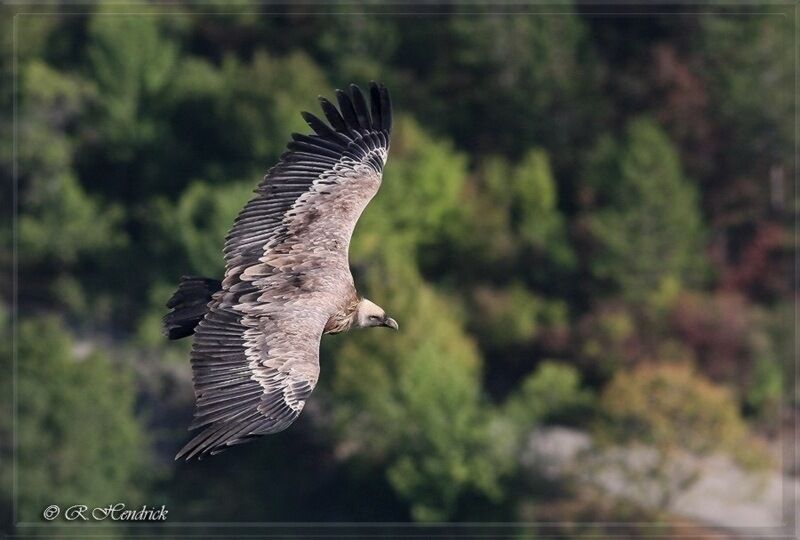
255	356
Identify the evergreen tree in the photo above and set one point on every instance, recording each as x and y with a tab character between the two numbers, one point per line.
647	225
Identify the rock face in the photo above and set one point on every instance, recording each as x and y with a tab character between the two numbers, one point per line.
723	494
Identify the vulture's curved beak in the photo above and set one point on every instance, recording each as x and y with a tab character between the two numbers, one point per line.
391	323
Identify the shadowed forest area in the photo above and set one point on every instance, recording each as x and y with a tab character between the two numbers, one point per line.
586	221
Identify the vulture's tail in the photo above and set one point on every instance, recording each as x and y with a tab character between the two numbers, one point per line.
188	305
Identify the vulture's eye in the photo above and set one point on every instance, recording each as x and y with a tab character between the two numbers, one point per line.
374	318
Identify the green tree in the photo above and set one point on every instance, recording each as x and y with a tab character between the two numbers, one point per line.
232	120
58	219
198	222
357	47
496	81
769	343
647	226
525	194
412	402
419	201
264	103
512	316
132	62
551	393
60	225
746	62
79	441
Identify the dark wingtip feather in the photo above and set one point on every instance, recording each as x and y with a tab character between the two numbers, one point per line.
352	119
375	105
332	114
322	129
315	123
360	105
386	109
347	109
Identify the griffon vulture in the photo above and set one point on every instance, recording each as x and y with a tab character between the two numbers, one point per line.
255	356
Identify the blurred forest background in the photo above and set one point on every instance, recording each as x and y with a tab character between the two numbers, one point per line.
585	222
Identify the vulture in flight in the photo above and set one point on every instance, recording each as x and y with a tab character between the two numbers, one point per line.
255	356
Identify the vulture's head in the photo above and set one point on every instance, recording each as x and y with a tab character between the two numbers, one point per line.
370	314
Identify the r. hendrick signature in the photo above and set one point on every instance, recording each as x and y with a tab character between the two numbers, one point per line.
113	512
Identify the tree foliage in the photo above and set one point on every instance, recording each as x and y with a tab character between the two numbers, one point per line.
647	225
79	441
421	414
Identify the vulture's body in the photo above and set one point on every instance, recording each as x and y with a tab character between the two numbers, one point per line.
255	357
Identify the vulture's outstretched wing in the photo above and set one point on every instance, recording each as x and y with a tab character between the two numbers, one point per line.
255	358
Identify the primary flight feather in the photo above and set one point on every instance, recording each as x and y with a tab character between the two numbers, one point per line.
255	357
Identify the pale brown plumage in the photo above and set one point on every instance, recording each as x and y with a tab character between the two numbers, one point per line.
343	320
255	357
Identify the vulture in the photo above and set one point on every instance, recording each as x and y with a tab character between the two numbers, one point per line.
255	355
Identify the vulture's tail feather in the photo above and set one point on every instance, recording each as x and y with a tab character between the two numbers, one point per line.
188	305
